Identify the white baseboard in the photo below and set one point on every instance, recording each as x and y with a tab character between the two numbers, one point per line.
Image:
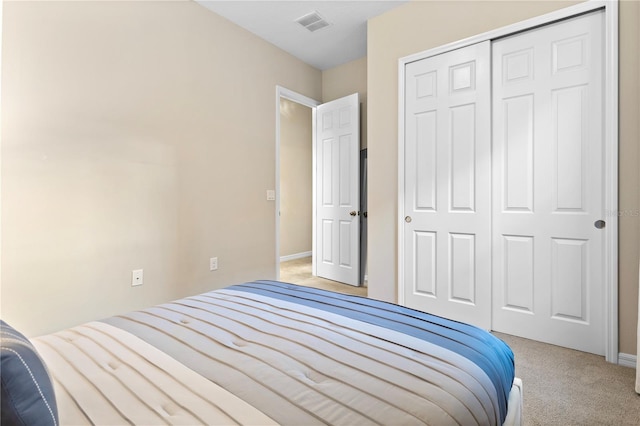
295	256
627	360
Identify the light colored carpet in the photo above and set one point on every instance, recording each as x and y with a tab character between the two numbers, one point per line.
561	386
567	387
298	271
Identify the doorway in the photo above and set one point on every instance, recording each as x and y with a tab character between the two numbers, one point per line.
295	106
297	157
296	181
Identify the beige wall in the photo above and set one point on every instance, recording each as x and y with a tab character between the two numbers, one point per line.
345	80
134	135
629	181
629	176
418	26
295	178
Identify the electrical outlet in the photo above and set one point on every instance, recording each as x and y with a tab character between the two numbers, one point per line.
136	277
213	264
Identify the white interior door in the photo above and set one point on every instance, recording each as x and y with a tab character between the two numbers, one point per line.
338	190
548	184
447	179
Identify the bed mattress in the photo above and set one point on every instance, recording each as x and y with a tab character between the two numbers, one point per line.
267	352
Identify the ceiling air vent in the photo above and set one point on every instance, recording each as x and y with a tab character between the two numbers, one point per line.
312	21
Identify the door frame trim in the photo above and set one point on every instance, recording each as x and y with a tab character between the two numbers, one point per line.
610	184
284	93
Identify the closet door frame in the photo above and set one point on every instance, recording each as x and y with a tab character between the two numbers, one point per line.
610	9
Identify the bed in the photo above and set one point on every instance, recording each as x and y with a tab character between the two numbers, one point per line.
264	353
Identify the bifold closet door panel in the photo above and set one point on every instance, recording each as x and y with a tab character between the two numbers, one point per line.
447	175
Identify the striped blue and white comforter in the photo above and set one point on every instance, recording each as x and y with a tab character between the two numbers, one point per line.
269	352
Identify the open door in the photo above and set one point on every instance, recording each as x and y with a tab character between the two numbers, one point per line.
338	190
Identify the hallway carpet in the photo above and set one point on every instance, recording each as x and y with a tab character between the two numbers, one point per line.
298	271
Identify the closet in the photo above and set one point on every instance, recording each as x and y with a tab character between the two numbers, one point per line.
502	183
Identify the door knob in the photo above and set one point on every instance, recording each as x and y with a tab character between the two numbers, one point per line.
353	213
599	224
407	219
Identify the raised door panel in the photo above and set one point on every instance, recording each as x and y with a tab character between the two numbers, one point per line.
326	167
569	275
345	164
463	158
425	167
517	161
462	275
570	139
425	263
518	273
327	241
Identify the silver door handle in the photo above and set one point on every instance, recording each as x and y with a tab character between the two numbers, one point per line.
407	219
599	224
354	213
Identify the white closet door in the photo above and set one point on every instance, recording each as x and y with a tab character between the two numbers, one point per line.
447	208
548	184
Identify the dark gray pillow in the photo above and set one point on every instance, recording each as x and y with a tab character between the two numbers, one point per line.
27	392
